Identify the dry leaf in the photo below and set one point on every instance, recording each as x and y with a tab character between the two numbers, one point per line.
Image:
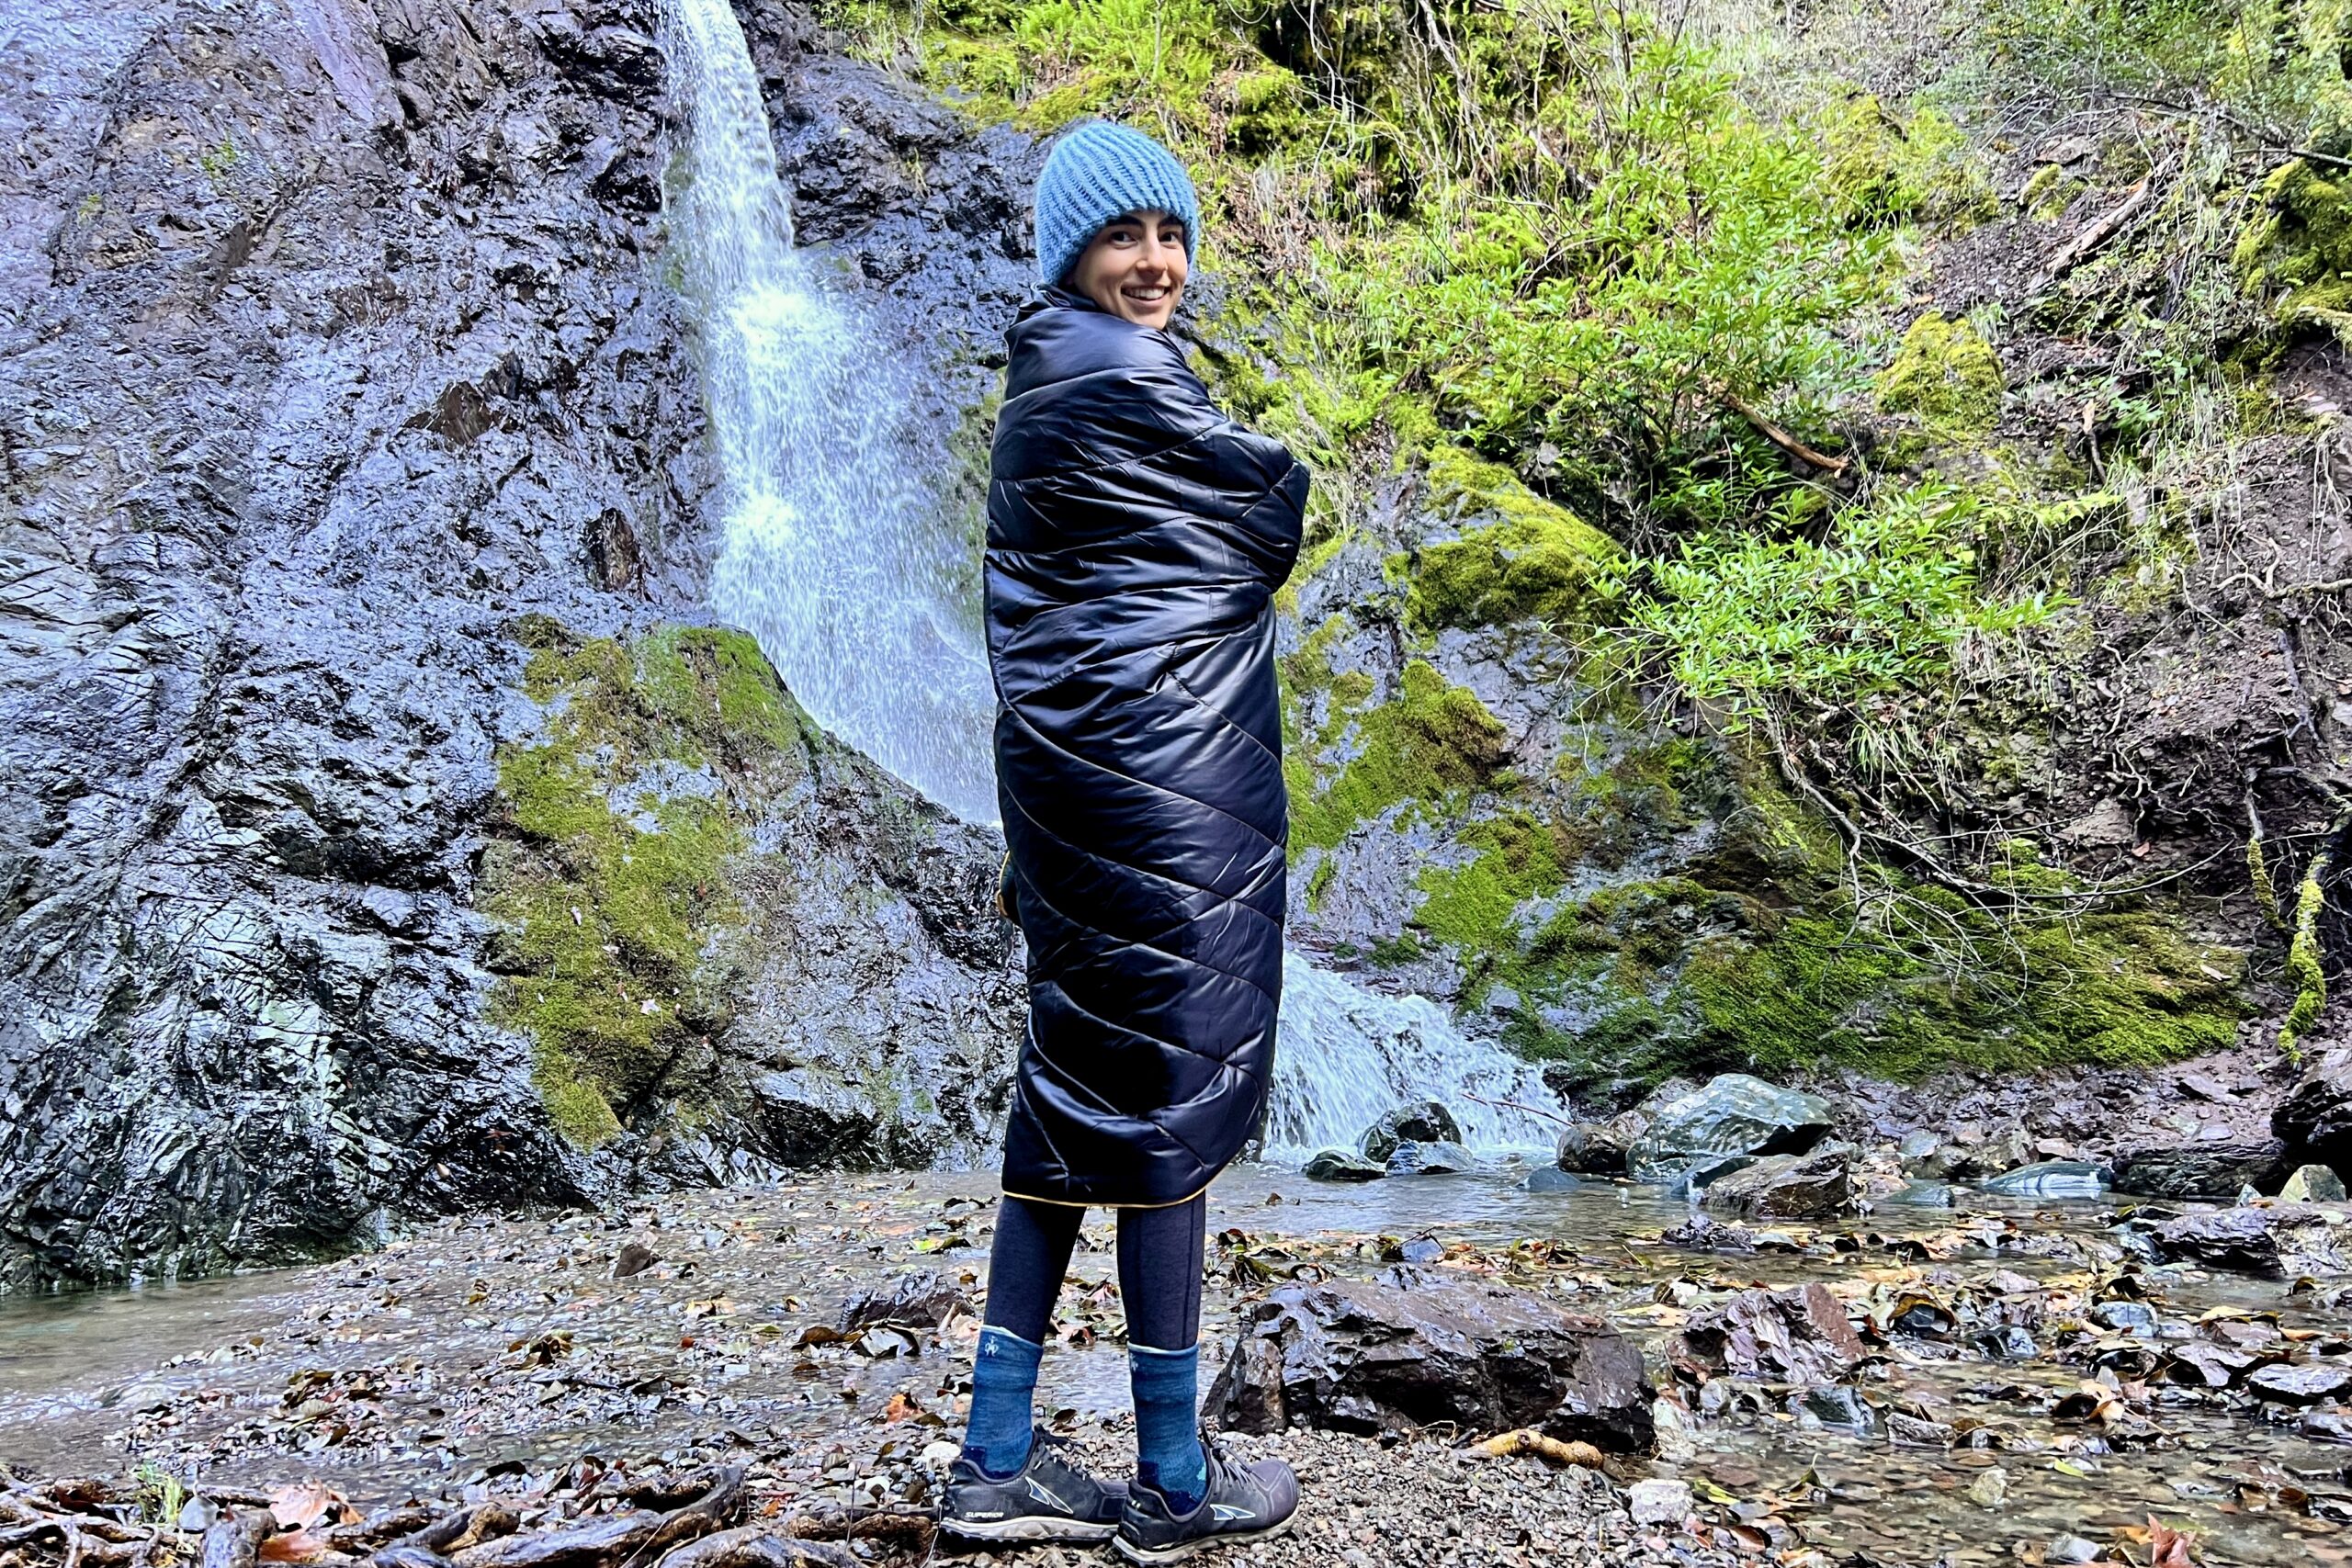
1528	1440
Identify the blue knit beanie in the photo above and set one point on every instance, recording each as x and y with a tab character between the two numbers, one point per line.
1097	172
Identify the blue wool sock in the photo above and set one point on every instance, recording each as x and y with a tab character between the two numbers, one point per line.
1004	1388
1167	1432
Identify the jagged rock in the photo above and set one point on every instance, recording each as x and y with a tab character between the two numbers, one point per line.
1550	1181
1787	1187
2306	1383
2050	1178
1410	1159
1798	1336
1734	1114
1420	1349
2279	1241
1340	1165
2311	1184
2316	1118
404	376
634	1258
1600	1148
2219	1171
1424	1123
1988	1155
923	1298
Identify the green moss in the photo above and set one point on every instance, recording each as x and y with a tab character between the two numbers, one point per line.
608	880
1946	373
2305	965
1884	170
2050	192
1538	560
2298	252
2120	988
1472	908
1431	744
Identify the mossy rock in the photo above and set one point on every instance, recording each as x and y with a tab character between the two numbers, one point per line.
1947	374
609	879
1430	744
1536	561
1886	171
2299	251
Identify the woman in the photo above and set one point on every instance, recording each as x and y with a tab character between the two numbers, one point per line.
1135	538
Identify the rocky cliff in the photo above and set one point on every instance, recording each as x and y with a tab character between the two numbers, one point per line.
352	459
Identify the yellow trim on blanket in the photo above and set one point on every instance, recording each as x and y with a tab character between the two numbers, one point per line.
1073	1203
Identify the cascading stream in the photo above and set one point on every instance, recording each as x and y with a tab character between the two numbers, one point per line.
839	558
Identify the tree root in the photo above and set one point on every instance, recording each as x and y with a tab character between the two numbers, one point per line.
1528	1440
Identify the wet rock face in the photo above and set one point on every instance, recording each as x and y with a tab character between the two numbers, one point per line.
2201	1171
1418	1350
1425	1123
2279	1242
2316	1118
334	347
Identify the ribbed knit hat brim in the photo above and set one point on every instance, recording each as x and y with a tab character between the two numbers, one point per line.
1097	172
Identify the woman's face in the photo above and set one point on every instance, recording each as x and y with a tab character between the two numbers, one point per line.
1135	267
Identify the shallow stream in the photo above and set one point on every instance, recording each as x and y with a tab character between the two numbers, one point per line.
489	1347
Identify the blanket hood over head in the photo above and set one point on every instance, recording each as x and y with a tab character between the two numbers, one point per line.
1136	539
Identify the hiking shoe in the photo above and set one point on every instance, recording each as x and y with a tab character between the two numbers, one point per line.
1243	1504
1046	1499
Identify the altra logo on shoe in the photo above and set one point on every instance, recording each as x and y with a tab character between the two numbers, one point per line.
1038	1489
1227	1511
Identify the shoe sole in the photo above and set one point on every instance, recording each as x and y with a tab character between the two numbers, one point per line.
1183	1550
1031	1530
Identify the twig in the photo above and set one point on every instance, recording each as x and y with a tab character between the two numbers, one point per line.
2075	251
1779	437
1515	1105
2265	141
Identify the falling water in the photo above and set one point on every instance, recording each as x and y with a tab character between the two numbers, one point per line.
1345	1055
837	553
839	556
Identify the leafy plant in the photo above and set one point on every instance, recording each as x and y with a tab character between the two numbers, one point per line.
1850	626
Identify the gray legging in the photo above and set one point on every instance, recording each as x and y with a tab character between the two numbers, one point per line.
1160	1268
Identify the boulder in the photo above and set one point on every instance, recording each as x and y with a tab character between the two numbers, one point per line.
1734	1114
1416	1348
1425	1122
1340	1165
923	1298
2311	1184
2306	1383
1436	1158
1798	1336
1787	1187
1700	1177
2279	1241
2050	1178
1990	1155
2316	1118
1549	1180
2218	1171
1600	1148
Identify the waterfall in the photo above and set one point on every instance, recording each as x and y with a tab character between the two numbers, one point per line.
1345	1055
836	552
837	556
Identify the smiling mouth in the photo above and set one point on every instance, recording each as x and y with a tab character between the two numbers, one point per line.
1146	295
